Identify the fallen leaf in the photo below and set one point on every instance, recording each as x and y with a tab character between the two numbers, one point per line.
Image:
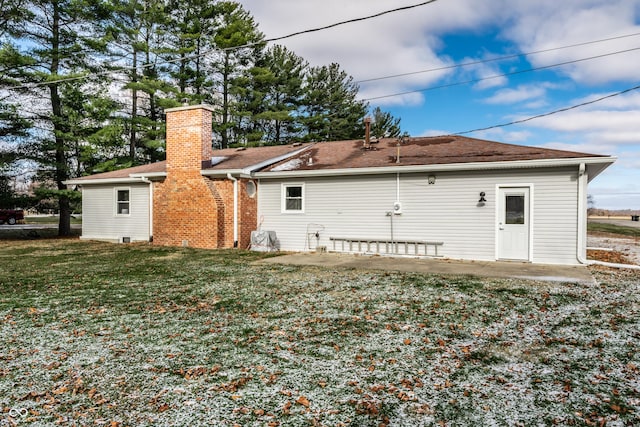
61	390
303	401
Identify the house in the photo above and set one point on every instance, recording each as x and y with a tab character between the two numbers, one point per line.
449	196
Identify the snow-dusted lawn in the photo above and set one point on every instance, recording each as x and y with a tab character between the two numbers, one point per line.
99	334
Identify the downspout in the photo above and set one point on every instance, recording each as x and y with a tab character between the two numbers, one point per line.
582	214
146	181
235	209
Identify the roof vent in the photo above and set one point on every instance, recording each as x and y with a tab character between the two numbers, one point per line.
297	144
367	132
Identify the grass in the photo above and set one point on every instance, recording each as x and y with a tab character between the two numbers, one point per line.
620	230
100	334
51	219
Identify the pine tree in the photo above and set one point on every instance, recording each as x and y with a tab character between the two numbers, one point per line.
331	110
138	36
384	125
239	41
190	29
281	84
62	44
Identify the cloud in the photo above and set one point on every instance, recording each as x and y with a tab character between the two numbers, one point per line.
491	75
518	94
393	44
546	24
590	121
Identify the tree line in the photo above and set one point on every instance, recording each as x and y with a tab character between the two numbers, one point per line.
84	83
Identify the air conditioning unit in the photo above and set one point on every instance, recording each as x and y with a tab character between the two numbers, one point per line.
397	208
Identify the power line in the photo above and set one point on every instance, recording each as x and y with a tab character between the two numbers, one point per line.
500	58
349	21
207	52
550	113
495	76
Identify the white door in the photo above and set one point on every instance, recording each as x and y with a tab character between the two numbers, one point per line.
513	223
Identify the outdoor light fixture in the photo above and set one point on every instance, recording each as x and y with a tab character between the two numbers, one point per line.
431	179
482	199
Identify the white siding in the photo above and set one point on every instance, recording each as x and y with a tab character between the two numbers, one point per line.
446	211
99	219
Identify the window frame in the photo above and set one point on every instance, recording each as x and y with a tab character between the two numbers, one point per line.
116	205
283	207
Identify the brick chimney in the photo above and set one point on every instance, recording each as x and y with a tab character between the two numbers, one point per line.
188	137
188	209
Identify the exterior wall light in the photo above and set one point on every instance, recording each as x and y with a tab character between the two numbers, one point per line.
482	199
431	179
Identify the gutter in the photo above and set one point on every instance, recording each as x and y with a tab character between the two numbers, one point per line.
149	175
235	209
582	215
144	179
444	167
129	180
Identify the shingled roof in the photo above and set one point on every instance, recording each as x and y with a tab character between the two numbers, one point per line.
414	151
157	167
227	159
354	154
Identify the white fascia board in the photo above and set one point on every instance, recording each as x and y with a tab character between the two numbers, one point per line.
220	173
249	171
516	164
104	181
149	175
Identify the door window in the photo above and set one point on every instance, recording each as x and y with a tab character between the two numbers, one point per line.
514	205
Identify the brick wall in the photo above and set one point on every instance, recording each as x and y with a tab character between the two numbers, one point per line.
189	209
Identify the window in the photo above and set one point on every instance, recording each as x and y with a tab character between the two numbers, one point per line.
122	202
514	209
293	198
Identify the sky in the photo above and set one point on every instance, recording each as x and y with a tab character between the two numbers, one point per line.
430	42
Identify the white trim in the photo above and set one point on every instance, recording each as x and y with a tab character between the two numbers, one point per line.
517	164
117	202
148	175
283	196
106	181
530	186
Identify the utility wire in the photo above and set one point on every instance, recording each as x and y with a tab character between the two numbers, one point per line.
550	113
228	49
349	21
495	76
500	58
